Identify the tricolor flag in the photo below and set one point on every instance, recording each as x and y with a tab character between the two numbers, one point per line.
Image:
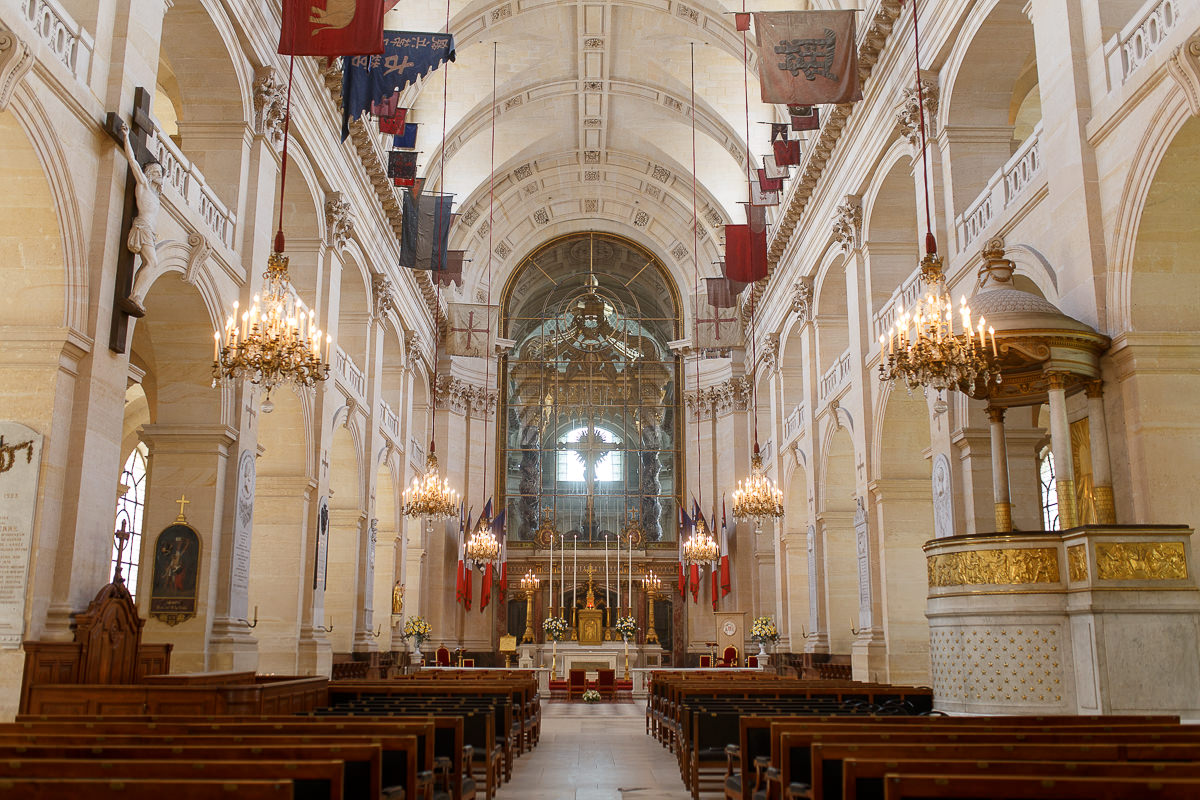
685	528
726	581
694	571
331	28
460	581
502	534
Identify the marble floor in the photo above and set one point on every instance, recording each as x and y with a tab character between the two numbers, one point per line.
595	752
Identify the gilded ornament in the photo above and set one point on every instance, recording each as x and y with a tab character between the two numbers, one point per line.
1003	567
1141	561
1077	569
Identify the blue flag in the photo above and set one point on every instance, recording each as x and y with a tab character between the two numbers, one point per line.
408	139
406	57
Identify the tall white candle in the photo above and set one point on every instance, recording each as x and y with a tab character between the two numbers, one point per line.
606	570
575	570
618	543
552	573
629	587
562	568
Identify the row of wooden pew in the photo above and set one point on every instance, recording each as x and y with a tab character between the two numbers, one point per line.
401	739
770	738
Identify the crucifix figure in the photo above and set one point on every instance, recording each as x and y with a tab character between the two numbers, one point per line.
590	448
122	536
142	188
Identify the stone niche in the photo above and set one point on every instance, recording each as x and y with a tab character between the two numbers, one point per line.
1091	620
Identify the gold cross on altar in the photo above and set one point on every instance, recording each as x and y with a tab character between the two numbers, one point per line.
181	502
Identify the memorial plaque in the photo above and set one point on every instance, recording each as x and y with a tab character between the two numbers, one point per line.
322	543
239	579
20	460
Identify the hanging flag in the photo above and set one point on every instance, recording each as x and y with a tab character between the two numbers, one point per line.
685	528
407	138
387	107
459	583
714	587
402	164
741	21
805	118
746	250
406	57
502	535
469	324
716	328
694	572
726	581
453	271
807	57
767	183
779	131
787	153
485	588
722	292
425	230
772	168
331	28
396	123
761	197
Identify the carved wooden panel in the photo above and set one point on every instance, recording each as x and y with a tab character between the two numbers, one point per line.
108	634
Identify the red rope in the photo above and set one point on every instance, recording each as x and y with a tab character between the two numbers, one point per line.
487	369
749	202
696	274
930	240
287	119
437	305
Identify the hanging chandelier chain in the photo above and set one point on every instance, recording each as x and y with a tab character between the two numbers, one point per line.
696	267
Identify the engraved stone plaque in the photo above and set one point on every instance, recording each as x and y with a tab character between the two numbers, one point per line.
20	460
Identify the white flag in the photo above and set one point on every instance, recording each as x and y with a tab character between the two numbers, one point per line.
469	329
716	327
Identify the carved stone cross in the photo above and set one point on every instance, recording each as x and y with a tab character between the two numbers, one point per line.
140	134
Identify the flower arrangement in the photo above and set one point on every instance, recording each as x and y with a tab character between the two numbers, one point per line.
626	627
764	630
555	628
591	696
417	628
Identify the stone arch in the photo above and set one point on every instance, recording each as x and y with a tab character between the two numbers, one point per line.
347	523
979	109
354	311
389	551
838	572
890	237
796	570
832	313
902	517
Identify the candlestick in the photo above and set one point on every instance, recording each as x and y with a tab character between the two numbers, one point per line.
552	573
606	569
575	570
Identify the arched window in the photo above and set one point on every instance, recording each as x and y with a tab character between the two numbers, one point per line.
1049	489
581	445
130	509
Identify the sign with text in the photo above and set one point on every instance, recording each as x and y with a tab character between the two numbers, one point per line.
20	460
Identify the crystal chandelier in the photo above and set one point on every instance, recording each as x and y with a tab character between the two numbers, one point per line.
431	495
276	341
482	547
700	547
757	499
923	348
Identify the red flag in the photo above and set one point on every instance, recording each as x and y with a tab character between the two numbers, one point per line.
726	582
767	183
684	523
787	153
695	582
715	589
396	123
331	28
805	118
746	249
485	589
467	589
459	583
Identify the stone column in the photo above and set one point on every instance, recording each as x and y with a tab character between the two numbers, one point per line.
1000	471
1106	513
1060	446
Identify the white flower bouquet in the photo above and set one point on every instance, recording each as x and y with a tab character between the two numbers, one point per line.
417	628
555	628
591	696
626	628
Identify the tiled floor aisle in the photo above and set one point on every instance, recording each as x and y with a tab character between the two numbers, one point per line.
598	752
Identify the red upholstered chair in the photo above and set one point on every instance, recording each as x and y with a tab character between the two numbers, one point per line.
576	683
729	657
443	656
752	662
468	662
705	662
606	683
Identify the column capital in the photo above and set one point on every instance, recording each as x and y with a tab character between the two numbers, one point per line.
996	414
1094	388
1058	380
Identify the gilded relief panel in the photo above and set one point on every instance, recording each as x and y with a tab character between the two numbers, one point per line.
1008	566
1141	561
1077	569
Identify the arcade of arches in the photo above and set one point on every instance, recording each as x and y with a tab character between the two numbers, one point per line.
1064	172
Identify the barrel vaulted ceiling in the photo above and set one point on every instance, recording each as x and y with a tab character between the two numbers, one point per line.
593	124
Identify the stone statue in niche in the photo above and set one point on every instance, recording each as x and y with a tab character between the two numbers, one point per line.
149	179
943	508
398	599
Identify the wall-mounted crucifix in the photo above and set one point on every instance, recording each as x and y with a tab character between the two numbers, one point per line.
140	212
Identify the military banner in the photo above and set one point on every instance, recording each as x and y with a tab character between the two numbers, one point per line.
467	332
807	57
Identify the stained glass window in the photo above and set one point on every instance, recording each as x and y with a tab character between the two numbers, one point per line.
130	508
1049	489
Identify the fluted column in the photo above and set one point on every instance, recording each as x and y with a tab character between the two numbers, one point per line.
1060	445
1106	512
1000	490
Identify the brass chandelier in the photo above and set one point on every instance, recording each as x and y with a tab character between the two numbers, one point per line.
276	341
700	547
757	498
430	495
482	547
924	349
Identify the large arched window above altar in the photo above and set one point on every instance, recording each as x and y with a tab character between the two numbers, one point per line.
591	391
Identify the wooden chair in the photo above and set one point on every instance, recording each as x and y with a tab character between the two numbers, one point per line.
576	683
729	657
606	683
442	656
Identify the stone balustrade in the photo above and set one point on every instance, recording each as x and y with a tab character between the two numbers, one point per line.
793	424
70	43
835	377
352	378
1003	190
906	296
1140	39
184	183
389	421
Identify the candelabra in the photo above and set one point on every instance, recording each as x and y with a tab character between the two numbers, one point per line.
431	495
757	498
923	349
529	584
651	583
700	547
277	341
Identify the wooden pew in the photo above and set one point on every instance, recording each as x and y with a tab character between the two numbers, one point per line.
141	789
1036	787
311	780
